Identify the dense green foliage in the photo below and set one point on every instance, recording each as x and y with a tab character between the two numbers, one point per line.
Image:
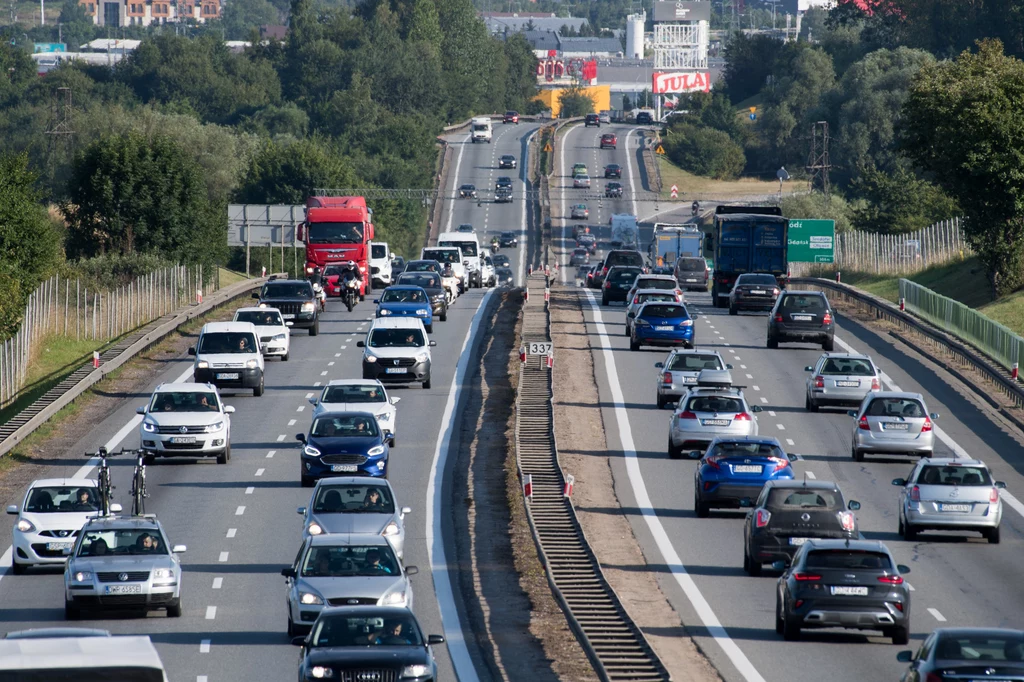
704	151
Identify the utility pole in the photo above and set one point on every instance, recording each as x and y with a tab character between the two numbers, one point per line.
818	163
60	136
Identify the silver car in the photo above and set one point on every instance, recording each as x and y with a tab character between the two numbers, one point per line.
713	408
893	423
355	504
344	570
680	369
950	494
636	301
840	379
122	563
662	282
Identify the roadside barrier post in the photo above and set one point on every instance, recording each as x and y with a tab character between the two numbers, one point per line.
903	304
567	488
522	353
1013	372
199	296
528	487
838	276
551	361
95	359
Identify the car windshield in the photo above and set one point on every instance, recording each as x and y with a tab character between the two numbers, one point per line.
425	281
353	393
468	248
121	542
403	296
347	560
896	407
287	290
614	185
612	167
359	630
954	475
848	367
805	498
746	449
663	311
715	403
335	233
987	648
691	264
184	401
694	362
655	283
503	273
348	499
453	256
344	426
227	342
378	251
335	270
850	559
766	280
508	235
623	275
50	500
798	303
422	266
260	318
396	338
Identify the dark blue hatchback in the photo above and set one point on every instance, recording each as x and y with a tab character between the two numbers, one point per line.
343	443
661	323
406	300
735	468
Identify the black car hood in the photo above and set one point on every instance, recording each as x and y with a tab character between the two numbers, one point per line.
289	299
368	656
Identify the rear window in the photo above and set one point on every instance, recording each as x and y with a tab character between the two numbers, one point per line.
715	403
954	475
692	362
848	367
800	303
848	559
805	499
625	258
691	264
1001	647
658	283
664	311
655	297
896	407
746	449
623	275
767	280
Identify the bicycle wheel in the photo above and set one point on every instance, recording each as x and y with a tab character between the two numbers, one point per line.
139	493
104	485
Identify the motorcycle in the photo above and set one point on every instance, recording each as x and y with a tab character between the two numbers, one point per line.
351	293
321	295
494	247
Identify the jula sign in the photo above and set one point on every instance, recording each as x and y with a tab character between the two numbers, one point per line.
692	81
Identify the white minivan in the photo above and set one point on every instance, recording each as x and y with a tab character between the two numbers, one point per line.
469	245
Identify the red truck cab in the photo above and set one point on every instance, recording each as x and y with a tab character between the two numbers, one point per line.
338	230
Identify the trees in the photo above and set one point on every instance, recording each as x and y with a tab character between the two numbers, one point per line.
288	173
749	60
899	202
575	102
962	123
704	151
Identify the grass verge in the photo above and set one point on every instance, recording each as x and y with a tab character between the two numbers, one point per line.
690	184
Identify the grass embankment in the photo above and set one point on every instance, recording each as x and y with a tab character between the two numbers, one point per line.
690	184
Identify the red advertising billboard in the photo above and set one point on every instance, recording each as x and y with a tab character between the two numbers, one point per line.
689	81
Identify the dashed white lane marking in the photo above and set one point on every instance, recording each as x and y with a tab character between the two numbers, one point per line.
201	678
935	614
331	363
782	427
316	384
259	472
204	646
739	358
270	455
232	532
308	396
337	355
217	583
324	373
280	438
764	400
344	347
223	558
732	351
741	366
291	422
239	511
348	340
211	612
249	490
789	442
770	413
810	475
756	388
750	376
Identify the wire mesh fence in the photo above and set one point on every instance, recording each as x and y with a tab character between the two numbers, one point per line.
67	308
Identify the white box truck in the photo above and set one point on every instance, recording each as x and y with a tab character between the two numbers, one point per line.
481	129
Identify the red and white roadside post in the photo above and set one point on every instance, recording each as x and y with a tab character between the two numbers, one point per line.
522	353
567	488
96	359
1013	372
838	276
550	359
199	296
263	272
675	191
528	487
903	304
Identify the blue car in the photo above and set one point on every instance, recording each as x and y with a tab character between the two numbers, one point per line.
661	323
405	300
343	443
737	467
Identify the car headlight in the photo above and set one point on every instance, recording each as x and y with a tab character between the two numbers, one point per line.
394	599
252	364
307	307
311	451
314	529
82	577
163	575
370	358
422	357
375	451
418	670
148	426
279	337
384	312
202	364
310	598
214	427
423	311
384	417
25	526
390	529
321	673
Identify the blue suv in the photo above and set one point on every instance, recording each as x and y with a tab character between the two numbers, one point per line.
661	323
406	300
735	468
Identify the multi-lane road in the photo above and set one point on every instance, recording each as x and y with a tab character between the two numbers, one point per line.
955	581
238	520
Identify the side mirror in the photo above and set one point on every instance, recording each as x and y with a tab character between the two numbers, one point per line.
229	409
394	400
756	408
289	323
793	457
659	365
728	366
411	570
899	481
179	549
12	509
934	415
192	350
301	511
1001	485
314	400
376	300
852	413
406	510
360	344
388	436
809	368
433	343
116	508
140	410
301	437
695	454
905	656
288	572
66	551
854	505
298	641
435	639
902	569
256	295
779	565
746	503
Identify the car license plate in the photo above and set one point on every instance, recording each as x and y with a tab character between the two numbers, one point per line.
691	279
184	440
664	328
760	292
714	422
802	318
289	316
394	370
848	384
896	426
58	546
747	469
850	591
797	541
124	589
955	507
344	467
227	375
689	380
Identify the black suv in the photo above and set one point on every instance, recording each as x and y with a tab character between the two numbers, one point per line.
296	301
592	120
613	170
613	190
644	118
503	181
802	316
508	239
506	161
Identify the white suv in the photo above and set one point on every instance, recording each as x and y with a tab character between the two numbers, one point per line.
186	420
228	356
380	263
274	331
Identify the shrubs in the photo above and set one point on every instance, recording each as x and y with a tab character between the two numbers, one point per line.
704	151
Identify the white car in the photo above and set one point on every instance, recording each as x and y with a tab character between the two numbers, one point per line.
186	420
487	275
397	350
581	181
358	395
228	356
274	331
380	263
49	518
451	255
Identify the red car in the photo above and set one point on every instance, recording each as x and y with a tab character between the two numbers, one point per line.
511	117
608	141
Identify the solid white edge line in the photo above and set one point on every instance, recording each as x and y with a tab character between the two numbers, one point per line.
561	170
629	172
465	671
643	503
458	162
523	235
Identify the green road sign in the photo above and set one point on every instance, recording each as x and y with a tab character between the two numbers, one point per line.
812	241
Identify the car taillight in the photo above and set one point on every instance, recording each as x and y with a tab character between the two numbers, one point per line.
636	299
862	424
742	417
604	270
607	285
915	494
847	521
687	415
827	319
993	496
778	317
875	385
927	426
891	579
713	462
805	577
666	378
723	280
686	323
898	605
762	517
819	382
779	463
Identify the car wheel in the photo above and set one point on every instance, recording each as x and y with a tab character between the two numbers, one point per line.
778	616
315	329
444	316
753	567
810	404
992	535
426	384
223	457
790	630
701	508
901	530
174	610
284	358
634	344
733	310
604	300
858	455
18	569
673	451
772	342
909	532
627	329
71	612
429	328
292	630
307	481
258	391
661	402
829	344
900	635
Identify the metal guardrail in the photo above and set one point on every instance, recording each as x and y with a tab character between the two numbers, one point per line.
64	393
614	644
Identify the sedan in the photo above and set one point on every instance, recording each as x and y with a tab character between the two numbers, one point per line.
852	584
465	228
350	640
588	242
510	117
507	161
966	654
343	442
753	291
579	257
950	494
273	330
661	324
432	283
359	395
893	423
506	239
737	468
355	504
581	181
613	190
579	169
403	300
579	212
609	141
467	192
613	170
802	316
840	379
504	277
500	260
344	569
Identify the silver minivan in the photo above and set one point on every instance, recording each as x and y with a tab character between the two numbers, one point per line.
893	423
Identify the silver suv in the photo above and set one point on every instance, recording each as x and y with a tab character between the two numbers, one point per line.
680	369
186	420
711	409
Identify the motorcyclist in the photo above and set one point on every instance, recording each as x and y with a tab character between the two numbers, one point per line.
495	245
317	280
349	283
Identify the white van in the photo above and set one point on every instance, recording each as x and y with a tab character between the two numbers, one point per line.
469	244
481	127
83	659
228	355
448	254
380	263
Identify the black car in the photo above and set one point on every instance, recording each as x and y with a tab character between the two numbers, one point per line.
787	514
644	118
613	170
802	316
431	283
613	190
617	283
367	643
503	195
592	120
503	181
506	161
617	257
959	654
508	239
397	266
500	260
295	299
504	277
853	584
753	291
467	192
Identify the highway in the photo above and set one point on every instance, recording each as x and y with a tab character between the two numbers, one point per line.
238	520
955	581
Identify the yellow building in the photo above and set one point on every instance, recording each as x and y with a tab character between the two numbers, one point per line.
600	94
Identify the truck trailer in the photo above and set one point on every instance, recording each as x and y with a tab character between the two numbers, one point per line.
748	239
